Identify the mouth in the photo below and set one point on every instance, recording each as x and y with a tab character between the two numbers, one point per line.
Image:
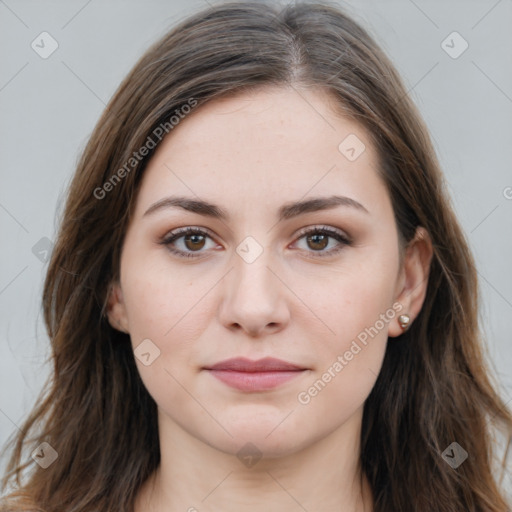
252	376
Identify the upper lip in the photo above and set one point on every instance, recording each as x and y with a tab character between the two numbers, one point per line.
267	364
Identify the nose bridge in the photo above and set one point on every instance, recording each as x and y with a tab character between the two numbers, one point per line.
252	279
252	296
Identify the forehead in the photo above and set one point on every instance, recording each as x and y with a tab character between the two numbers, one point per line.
268	146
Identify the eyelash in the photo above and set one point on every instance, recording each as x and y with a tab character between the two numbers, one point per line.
324	230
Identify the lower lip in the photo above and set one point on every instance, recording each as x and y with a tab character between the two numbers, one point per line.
254	381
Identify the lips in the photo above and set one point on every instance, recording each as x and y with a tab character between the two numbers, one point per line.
255	376
267	364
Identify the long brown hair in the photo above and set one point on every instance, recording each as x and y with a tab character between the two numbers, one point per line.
434	388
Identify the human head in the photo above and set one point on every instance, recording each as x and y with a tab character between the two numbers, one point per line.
250	154
241	48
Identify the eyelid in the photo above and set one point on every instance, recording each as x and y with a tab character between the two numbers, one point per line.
322	227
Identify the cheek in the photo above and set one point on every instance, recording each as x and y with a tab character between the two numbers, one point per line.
348	360
160	298
166	308
357	307
159	306
356	300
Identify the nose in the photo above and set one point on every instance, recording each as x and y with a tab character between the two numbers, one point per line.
254	297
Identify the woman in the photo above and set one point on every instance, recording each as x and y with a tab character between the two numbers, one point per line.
260	296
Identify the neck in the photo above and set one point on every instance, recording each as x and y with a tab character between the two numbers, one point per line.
196	477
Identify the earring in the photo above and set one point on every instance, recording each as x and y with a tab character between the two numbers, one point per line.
404	321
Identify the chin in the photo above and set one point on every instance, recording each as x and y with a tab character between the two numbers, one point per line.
252	450
269	439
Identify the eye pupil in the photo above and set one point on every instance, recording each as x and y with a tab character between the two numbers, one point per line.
194	240
323	242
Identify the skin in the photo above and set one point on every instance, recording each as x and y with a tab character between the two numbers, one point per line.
249	154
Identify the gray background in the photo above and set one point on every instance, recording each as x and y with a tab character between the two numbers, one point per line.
48	108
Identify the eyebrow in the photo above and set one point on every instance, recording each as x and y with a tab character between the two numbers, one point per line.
285	212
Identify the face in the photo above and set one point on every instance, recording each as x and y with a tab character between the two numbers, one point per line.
318	286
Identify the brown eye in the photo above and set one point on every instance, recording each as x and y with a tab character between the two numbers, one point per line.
318	239
193	240
318	242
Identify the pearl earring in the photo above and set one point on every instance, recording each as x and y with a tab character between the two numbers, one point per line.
404	321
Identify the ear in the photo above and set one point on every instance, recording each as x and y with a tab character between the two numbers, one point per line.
413	279
116	309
